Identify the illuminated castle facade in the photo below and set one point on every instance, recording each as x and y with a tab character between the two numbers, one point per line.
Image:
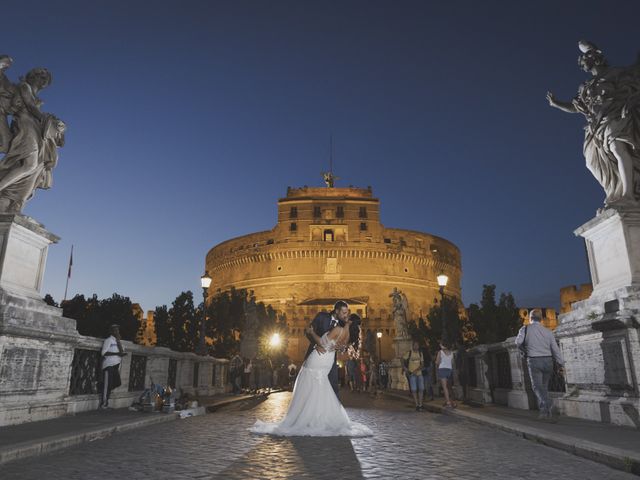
327	245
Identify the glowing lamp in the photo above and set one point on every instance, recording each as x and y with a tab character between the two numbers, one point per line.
205	280
443	280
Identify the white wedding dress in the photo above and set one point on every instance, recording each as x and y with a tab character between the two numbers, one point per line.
314	409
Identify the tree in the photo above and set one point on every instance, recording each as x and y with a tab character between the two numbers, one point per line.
494	322
184	322
225	319
164	331
94	316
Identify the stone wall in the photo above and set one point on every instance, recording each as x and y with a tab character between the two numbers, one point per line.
48	370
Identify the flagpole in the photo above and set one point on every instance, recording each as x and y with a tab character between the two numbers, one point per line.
68	274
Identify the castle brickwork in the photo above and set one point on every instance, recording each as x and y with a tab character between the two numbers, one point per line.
329	244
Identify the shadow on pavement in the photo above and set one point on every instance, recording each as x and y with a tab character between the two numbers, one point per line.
297	457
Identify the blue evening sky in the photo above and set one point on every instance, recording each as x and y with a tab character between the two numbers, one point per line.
188	120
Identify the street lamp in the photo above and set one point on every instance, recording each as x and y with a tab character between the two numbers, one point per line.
205	282
379	335
443	279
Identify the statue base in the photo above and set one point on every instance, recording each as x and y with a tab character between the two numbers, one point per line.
398	378
600	336
23	254
612	240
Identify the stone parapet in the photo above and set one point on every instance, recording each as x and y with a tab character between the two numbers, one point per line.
48	370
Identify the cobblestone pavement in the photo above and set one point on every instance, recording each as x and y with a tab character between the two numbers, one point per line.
406	445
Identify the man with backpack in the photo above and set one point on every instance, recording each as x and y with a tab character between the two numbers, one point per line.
539	346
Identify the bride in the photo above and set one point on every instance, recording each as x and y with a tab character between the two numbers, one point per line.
315	409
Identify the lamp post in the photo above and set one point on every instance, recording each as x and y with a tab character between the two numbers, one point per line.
443	279
379	335
205	282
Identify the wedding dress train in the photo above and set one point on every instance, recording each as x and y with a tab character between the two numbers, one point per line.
314	409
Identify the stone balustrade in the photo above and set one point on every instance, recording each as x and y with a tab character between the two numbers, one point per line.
496	373
143	366
48	370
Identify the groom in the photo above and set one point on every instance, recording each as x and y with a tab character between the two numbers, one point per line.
322	323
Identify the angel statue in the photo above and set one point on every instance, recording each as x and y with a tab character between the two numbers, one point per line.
32	140
400	311
610	102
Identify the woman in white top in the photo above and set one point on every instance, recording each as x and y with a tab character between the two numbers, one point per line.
444	363
315	409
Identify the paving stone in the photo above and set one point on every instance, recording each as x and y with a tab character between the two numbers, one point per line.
406	445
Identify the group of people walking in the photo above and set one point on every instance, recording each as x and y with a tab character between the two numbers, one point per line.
253	374
365	374
418	366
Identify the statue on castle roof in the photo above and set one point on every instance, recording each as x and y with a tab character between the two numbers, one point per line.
31	141
329	179
610	102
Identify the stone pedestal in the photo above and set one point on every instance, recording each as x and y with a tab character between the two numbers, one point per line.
600	337
612	239
249	345
35	357
398	378
23	254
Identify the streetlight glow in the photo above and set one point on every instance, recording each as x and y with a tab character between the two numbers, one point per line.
205	280
275	340
379	334
443	279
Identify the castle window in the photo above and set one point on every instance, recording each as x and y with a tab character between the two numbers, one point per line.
403	243
387	240
293	227
293	213
363	227
363	212
328	235
316	212
340	212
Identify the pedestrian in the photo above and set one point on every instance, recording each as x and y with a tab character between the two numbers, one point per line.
235	372
427	370
412	366
444	364
266	374
246	376
383	373
351	373
461	369
112	353
362	373
293	371
373	376
541	349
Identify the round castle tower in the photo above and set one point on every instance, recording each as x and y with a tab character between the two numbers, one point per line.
329	245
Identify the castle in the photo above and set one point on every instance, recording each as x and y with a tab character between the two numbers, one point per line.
328	244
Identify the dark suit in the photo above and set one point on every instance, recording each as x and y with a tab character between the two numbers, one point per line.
322	324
